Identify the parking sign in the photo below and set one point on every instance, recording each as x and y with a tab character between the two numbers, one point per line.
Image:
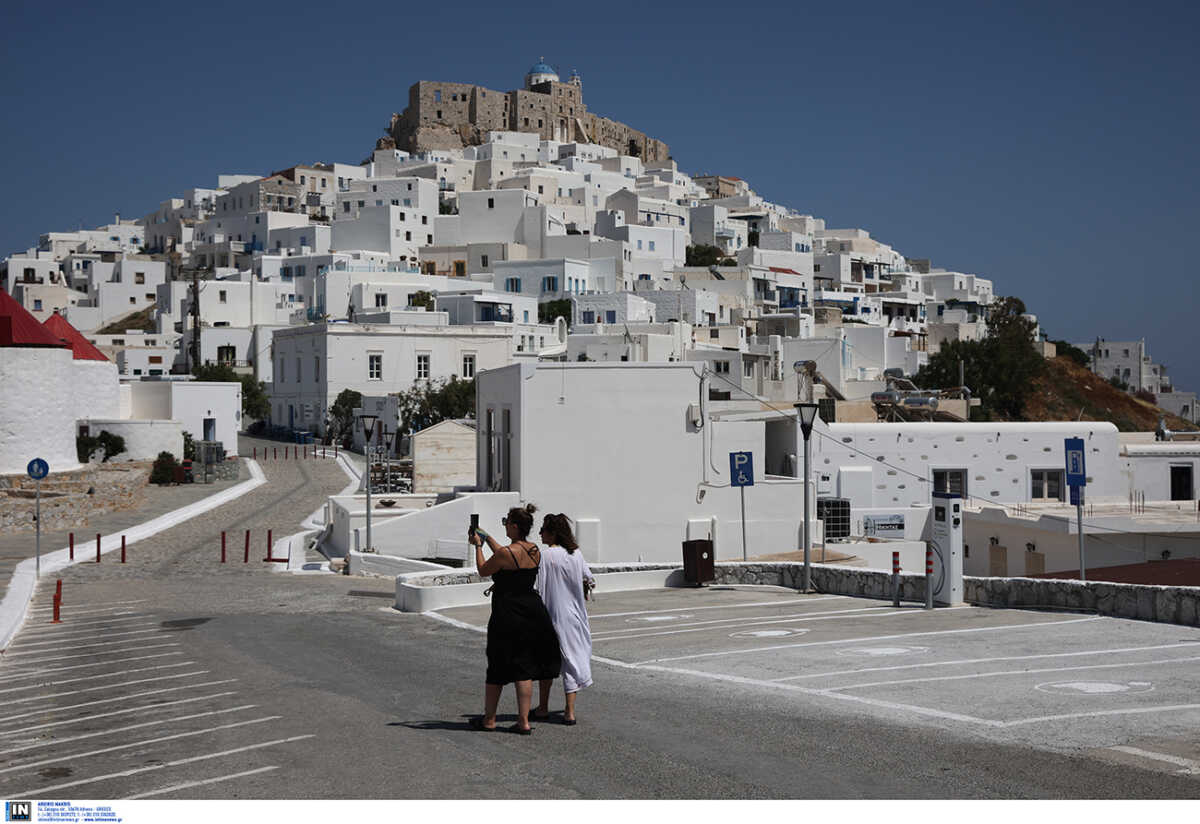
741	469
1076	470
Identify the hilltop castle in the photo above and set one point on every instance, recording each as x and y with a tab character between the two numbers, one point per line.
453	115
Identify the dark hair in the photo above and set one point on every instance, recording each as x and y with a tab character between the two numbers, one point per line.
558	531
522	518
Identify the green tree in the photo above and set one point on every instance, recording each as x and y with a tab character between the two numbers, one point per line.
340	423
255	404
999	370
552	309
421	299
702	255
427	403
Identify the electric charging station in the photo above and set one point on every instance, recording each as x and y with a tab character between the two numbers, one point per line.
946	541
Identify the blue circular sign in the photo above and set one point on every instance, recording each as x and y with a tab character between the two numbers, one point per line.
38	469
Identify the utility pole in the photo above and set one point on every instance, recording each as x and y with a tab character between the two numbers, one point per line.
195	319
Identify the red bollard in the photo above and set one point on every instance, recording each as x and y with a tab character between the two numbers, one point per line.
256	453
97	547
222	546
72	550
122	549
246	558
895	563
57	601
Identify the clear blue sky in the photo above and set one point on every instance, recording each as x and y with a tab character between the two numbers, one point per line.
1048	146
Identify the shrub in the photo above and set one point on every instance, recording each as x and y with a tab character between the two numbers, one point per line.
189	447
1067	350
1145	395
107	442
163	471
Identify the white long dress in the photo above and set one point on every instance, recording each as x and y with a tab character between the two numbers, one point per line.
560	583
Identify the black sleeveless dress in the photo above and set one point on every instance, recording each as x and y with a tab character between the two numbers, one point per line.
521	642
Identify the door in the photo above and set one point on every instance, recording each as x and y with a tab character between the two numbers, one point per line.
210	429
998	561
1181	483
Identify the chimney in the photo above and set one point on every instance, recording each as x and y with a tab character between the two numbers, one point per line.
117	218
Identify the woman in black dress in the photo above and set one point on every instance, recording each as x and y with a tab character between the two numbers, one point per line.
522	646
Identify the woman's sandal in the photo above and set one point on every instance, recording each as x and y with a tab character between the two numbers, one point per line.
569	722
476	723
517	729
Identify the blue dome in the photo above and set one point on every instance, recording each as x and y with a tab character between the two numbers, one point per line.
541	68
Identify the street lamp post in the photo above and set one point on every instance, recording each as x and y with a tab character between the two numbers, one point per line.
808	414
388	437
368	425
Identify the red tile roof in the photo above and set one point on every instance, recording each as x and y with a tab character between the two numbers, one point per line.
81	347
19	328
781	269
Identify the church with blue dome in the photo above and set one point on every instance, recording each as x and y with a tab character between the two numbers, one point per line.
449	115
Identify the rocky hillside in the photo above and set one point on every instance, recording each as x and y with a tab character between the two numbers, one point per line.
1068	392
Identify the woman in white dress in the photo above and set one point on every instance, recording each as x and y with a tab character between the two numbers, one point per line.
564	582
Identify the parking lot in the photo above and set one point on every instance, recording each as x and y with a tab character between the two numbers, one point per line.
1126	692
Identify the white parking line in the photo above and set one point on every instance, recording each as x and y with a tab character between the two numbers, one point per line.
34	673
158	740
784	617
787	619
1010	672
57	634
23	644
1190	767
189	784
454	622
96	676
106	604
776	647
42	792
72	610
109	687
786	602
127	710
54	742
1099	713
106	652
68	649
8	718
66	626
983	661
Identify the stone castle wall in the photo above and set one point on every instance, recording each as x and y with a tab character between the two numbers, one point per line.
454	115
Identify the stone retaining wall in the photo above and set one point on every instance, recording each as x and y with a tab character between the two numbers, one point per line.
1172	605
66	500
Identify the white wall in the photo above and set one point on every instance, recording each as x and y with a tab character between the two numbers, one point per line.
37	409
95	389
193	401
143	439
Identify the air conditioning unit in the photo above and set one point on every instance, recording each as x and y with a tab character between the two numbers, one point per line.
834	513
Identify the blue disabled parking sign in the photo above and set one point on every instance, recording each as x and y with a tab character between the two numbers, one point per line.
38	469
741	469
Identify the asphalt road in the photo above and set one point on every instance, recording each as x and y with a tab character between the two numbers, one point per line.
175	677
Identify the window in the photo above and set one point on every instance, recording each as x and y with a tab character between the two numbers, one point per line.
299	371
512	284
37	305
221	296
282	373
375	366
381	300
468	369
422	366
460	268
953	481
550	284
437	97
316	368
721	367
491	203
483	261
639	244
439	114
748	368
610	316
424	220
139	277
1046	484
652	246
346	206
